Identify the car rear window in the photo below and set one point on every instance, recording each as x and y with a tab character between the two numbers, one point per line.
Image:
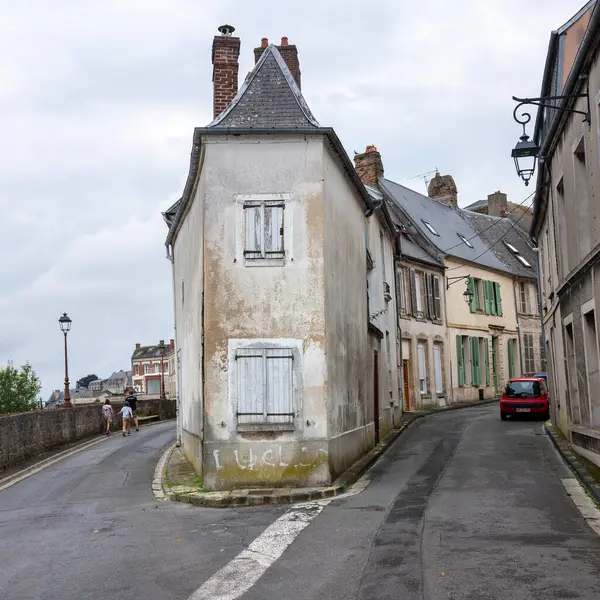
523	389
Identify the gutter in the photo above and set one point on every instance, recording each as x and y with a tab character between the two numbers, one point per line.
238	131
584	55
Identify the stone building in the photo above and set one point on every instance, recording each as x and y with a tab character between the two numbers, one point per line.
146	374
282	365
565	225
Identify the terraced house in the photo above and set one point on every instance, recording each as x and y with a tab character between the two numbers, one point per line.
464	345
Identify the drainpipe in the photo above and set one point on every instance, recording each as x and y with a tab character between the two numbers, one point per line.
539	294
398	328
518	326
449	344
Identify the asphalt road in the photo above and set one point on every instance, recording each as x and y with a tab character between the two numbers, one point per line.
462	507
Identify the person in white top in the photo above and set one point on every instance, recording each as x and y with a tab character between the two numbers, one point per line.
127	414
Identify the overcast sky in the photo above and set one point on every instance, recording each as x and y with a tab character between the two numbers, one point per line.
99	98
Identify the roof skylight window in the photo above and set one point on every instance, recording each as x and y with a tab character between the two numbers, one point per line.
431	228
511	248
465	240
523	261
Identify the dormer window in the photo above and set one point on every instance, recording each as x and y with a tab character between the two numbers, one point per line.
431	228
518	256
465	240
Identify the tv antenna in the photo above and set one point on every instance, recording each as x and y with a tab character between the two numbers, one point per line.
426	177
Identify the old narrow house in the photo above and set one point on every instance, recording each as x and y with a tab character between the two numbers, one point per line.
280	379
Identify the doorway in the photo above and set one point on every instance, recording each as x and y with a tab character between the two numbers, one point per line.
405	376
376	394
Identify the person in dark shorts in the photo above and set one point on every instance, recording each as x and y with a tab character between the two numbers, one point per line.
130	397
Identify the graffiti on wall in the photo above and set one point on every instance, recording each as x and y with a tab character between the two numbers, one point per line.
271	457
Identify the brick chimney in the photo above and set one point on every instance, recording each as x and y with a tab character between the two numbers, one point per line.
443	189
369	166
138	346
225	54
172	343
289	53
497	203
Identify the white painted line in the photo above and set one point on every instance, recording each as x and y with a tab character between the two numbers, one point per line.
237	577
25	473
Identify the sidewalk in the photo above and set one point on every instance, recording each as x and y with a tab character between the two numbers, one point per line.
176	480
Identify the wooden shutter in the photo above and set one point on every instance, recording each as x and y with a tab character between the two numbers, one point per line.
471	287
278	392
253	235
437	299
460	360
429	305
475	370
487	362
273	230
498	299
399	299
511	358
250	382
413	292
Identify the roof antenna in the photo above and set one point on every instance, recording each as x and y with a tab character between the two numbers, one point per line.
226	29
426	177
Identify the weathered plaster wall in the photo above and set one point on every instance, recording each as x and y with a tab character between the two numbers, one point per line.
274	304
188	281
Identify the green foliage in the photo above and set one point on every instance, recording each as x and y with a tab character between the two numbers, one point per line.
19	388
85	381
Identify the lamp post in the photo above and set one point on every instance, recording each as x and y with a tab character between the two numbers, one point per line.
162	349
65	327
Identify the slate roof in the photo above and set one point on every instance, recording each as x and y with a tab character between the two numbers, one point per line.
448	221
149	352
497	232
268	98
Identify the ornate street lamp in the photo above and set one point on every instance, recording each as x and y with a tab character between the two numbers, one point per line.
162	349
526	152
525	155
65	327
468	295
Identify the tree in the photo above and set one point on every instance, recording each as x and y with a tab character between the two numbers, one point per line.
85	381
18	388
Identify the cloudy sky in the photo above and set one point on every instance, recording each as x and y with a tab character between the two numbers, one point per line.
98	100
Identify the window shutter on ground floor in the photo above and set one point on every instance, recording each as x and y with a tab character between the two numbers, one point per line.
437	364
460	360
422	359
487	362
475	366
511	358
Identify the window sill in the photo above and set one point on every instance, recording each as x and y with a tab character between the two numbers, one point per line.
264	262
257	427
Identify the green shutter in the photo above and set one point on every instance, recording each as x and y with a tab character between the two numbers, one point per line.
487	363
486	297
471	287
475	379
460	361
511	358
498	299
491	297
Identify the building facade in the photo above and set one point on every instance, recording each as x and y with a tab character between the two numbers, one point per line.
565	225
146	372
282	371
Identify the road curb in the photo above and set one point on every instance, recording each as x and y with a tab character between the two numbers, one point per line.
247	497
569	455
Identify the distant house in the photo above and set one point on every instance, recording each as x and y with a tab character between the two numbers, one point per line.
117	382
497	205
96	385
146	368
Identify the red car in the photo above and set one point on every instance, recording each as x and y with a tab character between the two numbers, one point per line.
525	395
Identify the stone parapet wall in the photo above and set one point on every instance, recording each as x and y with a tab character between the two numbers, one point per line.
24	435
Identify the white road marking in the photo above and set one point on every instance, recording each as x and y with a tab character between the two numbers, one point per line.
237	577
583	502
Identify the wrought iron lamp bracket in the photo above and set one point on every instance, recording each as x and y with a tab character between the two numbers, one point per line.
454	280
544	102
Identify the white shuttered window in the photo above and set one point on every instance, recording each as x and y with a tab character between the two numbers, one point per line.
263	225
264	385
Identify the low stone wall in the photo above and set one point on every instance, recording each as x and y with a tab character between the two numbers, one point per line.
24	435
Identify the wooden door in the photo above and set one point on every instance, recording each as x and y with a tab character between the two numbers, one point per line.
405	375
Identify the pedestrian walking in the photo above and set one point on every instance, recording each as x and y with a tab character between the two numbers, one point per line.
108	415
133	404
127	414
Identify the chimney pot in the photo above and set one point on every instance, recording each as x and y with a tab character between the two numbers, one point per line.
284	41
138	346
264	42
172	343
226	30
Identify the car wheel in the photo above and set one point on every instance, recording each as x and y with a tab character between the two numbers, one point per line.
503	416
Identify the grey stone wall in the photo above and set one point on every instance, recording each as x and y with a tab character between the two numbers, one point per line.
24	435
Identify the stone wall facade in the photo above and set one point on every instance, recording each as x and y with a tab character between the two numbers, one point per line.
24	435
